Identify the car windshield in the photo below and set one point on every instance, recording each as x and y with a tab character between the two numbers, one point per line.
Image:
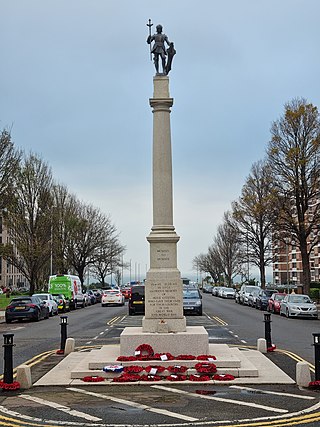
279	297
43	297
251	289
190	294
299	299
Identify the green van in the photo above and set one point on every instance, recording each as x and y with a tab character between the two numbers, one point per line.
69	286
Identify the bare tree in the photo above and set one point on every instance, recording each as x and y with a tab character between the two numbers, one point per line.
109	258
210	263
254	214
9	163
28	220
228	248
293	154
90	231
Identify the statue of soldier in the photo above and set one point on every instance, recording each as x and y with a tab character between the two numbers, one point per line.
158	49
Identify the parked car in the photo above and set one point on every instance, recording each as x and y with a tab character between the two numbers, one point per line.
244	293
25	307
275	302
192	302
227	293
136	302
294	305
252	297
98	294
207	289
263	298
112	296
92	297
50	302
87	299
215	290
63	303
126	290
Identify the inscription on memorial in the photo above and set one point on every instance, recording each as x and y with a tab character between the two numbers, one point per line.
164	300
163	255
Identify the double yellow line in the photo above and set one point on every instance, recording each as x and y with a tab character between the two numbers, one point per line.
220	321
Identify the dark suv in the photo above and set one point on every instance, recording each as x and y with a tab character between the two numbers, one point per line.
136	301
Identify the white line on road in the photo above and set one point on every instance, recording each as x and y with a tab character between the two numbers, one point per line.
101	333
88	342
134	404
243	341
221	399
95	338
60	407
273	392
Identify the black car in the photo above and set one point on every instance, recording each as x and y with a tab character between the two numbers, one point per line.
263	298
192	302
137	300
26	307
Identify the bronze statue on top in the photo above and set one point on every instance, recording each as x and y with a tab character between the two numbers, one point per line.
158	49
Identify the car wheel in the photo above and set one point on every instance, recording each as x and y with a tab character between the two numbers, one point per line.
287	313
37	317
51	313
200	313
8	320
131	312
47	314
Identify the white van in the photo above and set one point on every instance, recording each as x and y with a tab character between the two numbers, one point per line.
69	286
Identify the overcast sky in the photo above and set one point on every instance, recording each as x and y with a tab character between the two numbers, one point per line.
75	83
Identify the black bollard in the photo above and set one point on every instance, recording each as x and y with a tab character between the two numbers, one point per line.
64	324
267	329
316	344
8	358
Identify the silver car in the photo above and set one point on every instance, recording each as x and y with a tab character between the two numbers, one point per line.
294	305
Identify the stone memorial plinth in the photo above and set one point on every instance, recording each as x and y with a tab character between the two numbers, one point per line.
164	325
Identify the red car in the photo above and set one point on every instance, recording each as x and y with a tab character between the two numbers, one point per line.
126	291
275	301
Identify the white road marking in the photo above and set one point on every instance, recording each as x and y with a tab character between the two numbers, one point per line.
95	338
243	341
88	342
134	404
221	399
17	328
101	333
273	392
60	407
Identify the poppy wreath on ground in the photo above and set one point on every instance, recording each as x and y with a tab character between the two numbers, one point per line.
144	352
206	368
92	379
15	385
272	348
126	378
176	377
207	357
150	378
226	377
314	385
60	352
185	357
133	369
159	356
199	378
158	369
177	369
113	368
205	391
126	359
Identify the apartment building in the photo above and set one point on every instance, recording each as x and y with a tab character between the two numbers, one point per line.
10	277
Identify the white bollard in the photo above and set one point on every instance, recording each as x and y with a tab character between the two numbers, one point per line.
303	376
262	345
24	376
70	344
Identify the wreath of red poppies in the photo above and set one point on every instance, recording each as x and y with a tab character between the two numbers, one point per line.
126	378
206	368
15	385
133	369
169	356
177	369
90	379
314	385
185	357
206	357
199	378
158	368
150	378
226	377
144	352
176	377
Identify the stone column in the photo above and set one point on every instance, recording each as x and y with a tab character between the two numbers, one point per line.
164	308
